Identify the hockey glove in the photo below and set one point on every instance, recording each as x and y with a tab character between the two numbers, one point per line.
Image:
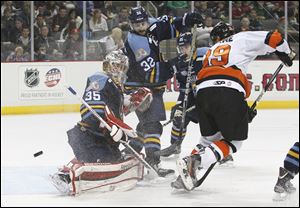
138	100
176	111
193	18
251	114
117	134
287	59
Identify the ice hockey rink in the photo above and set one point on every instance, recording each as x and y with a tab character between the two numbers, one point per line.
250	183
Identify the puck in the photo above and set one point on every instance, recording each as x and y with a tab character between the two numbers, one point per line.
38	153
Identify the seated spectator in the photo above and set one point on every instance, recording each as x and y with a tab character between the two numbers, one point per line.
78	20
203	34
7	4
220	11
245	25
39	23
260	9
202	8
93	53
277	11
7	22
97	24
67	30
25	12
17	55
255	23
24	40
41	54
44	39
246	7
60	20
237	11
122	19
113	41
109	10
73	46
16	30
75	22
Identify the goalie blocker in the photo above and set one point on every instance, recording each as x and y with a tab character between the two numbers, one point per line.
77	177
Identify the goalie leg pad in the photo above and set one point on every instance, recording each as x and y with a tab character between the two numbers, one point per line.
103	177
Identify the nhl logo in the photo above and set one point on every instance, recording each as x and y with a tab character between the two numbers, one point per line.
31	77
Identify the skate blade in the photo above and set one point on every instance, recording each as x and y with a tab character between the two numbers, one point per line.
183	172
227	165
280	196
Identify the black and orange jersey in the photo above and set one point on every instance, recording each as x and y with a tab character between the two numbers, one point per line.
227	61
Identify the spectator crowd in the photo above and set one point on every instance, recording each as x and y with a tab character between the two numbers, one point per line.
58	25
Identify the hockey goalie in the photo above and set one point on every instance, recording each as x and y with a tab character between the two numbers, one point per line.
100	165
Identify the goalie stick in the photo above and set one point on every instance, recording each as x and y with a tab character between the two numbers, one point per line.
109	129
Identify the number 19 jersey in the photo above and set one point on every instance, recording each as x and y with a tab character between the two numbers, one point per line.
226	63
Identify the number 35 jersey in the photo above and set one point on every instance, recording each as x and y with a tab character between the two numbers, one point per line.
225	64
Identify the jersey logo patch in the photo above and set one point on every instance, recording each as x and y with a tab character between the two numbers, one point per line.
141	53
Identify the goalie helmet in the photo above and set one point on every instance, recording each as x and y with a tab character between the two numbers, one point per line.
220	31
115	65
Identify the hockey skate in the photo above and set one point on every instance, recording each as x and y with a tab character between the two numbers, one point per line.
283	186
61	182
226	162
178	183
187	168
173	149
162	172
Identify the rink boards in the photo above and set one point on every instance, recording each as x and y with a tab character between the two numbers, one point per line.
39	87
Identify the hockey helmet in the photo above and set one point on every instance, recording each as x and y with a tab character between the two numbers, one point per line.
184	42
115	65
184	38
220	31
138	14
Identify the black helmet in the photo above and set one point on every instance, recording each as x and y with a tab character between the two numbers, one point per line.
184	38
221	30
138	14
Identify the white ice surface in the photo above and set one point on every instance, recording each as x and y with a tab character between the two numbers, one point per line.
250	183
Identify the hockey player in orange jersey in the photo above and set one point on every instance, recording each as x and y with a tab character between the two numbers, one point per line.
222	89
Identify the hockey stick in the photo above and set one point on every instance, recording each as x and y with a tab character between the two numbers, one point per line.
187	85
109	129
200	181
267	86
171	120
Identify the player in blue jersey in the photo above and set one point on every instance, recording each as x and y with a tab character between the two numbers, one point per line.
148	69
290	168
184	48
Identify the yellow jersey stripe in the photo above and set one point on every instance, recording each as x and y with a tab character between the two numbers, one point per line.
177	133
94	107
294	154
155	140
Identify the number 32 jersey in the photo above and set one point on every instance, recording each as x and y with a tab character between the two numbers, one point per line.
225	64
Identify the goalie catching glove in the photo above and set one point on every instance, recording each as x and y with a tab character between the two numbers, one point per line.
138	100
118	127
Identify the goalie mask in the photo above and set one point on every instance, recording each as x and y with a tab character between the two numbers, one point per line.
115	65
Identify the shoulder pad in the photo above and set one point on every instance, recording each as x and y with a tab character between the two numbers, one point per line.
97	81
